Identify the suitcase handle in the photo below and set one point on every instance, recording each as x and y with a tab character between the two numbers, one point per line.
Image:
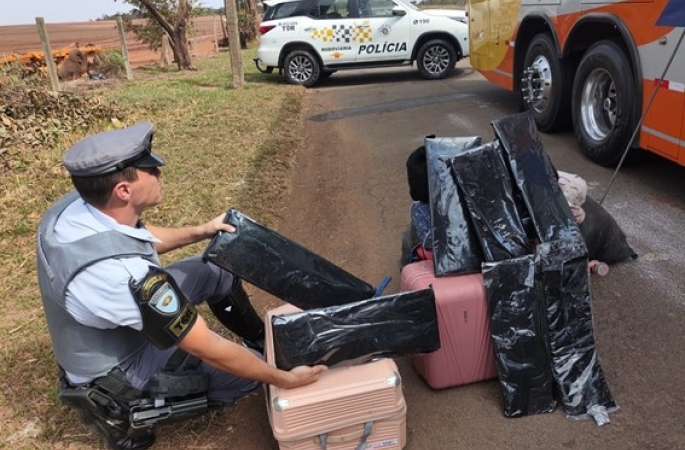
324	439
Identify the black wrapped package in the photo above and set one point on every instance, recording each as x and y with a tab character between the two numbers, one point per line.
486	187
576	367
605	240
354	333
519	336
282	267
536	178
455	245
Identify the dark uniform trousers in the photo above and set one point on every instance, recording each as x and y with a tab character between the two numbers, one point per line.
227	300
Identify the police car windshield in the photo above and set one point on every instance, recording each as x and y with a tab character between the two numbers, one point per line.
408	4
280	10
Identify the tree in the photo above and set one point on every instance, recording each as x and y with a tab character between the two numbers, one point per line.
164	17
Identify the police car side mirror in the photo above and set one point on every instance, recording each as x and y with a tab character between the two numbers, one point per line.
397	11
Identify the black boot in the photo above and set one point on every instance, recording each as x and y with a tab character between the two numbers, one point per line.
236	313
115	432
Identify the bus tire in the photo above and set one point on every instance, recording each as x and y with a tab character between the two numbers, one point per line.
546	82
603	103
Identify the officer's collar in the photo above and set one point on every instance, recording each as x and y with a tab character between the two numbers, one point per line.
137	232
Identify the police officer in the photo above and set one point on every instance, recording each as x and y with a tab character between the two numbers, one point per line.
113	310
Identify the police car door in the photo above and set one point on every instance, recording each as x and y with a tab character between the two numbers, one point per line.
382	35
331	30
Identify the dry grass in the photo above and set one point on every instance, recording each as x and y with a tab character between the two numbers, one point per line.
224	148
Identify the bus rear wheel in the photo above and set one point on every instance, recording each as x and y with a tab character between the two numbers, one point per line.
603	103
545	85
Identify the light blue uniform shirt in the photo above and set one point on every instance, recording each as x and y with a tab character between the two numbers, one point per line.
99	296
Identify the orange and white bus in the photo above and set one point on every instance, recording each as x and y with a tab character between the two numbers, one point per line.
590	64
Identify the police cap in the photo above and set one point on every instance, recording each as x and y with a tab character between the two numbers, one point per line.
111	151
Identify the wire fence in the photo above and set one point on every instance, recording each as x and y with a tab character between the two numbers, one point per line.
22	39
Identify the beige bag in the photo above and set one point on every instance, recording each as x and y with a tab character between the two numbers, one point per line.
575	192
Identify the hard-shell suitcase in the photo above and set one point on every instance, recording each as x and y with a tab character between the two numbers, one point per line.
347	406
466	354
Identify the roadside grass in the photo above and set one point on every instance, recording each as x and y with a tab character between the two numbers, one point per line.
224	148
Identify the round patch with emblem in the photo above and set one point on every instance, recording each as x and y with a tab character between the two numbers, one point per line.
165	299
166	312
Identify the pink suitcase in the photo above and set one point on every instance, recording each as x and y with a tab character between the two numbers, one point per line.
466	354
346	406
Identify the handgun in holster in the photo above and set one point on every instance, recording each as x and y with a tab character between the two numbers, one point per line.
179	392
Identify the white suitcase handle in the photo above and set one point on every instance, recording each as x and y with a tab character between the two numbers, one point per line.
362	434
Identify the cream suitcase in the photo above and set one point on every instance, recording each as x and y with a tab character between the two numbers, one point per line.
348	408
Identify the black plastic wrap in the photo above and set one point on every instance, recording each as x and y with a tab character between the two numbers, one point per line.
455	245
536	178
519	336
486	187
282	267
604	239
354	333
576	367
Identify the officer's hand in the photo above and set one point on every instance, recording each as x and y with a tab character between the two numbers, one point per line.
301	375
217	224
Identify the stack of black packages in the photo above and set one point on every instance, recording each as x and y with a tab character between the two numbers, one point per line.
343	322
535	276
516	319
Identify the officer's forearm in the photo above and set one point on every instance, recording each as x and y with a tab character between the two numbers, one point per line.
173	238
231	357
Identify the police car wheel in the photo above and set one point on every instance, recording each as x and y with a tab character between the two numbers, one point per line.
302	68
436	59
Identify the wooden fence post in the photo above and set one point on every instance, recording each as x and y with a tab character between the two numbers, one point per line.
124	48
166	51
234	43
52	68
216	36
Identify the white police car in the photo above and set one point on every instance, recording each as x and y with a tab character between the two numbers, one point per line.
308	40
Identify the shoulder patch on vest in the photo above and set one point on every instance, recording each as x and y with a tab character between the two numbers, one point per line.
167	313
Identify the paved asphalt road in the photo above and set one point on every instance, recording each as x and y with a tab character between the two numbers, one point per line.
349	203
